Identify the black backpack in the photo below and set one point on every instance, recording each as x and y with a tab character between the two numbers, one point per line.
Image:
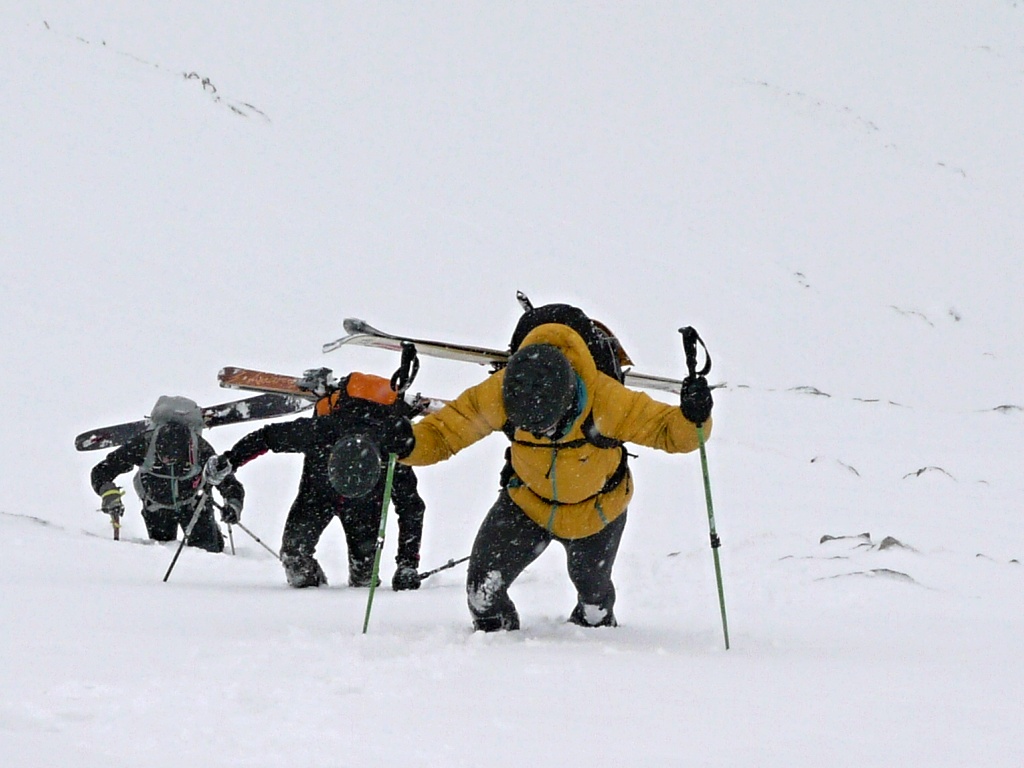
603	346
608	355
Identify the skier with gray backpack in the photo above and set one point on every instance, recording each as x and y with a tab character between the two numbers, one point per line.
170	456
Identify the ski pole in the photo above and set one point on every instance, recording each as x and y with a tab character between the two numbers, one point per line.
380	537
690	339
445	567
254	537
200	503
258	540
231	534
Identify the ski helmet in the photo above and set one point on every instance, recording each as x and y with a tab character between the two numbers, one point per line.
354	465
539	388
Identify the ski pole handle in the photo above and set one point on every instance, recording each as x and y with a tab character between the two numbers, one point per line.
402	379
690	340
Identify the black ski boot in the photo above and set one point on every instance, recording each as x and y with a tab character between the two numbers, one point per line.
592	616
496	623
359	572
303	571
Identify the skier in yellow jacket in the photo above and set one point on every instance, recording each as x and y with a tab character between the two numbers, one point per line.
566	478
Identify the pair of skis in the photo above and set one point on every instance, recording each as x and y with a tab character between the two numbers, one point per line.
359	333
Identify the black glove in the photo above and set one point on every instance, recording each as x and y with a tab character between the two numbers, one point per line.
111	495
231	512
398	436
406	577
695	399
216	470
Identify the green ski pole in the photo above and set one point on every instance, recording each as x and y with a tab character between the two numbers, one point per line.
690	339
380	538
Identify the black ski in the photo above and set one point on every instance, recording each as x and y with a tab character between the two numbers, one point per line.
265	406
362	334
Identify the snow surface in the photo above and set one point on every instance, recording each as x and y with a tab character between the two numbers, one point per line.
829	192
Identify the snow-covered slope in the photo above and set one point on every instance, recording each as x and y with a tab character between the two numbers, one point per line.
830	195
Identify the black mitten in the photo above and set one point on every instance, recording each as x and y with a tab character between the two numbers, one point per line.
398	436
695	399
406	577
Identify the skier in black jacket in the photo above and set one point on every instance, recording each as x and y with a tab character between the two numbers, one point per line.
363	405
170	455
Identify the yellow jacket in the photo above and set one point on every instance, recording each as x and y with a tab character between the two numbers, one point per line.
560	484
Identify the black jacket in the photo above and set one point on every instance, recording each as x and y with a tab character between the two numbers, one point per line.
164	484
315	436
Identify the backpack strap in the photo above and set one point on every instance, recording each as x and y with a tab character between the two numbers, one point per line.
591	435
594	437
150	462
183	486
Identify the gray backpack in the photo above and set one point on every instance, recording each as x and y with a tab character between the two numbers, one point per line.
168	487
179	410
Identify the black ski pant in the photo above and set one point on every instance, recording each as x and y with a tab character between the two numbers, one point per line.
312	512
317	503
162	524
508	541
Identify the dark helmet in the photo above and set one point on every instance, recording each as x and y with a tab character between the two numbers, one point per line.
173	443
354	466
539	388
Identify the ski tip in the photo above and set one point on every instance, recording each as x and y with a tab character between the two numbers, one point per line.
330	346
353	325
354	328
